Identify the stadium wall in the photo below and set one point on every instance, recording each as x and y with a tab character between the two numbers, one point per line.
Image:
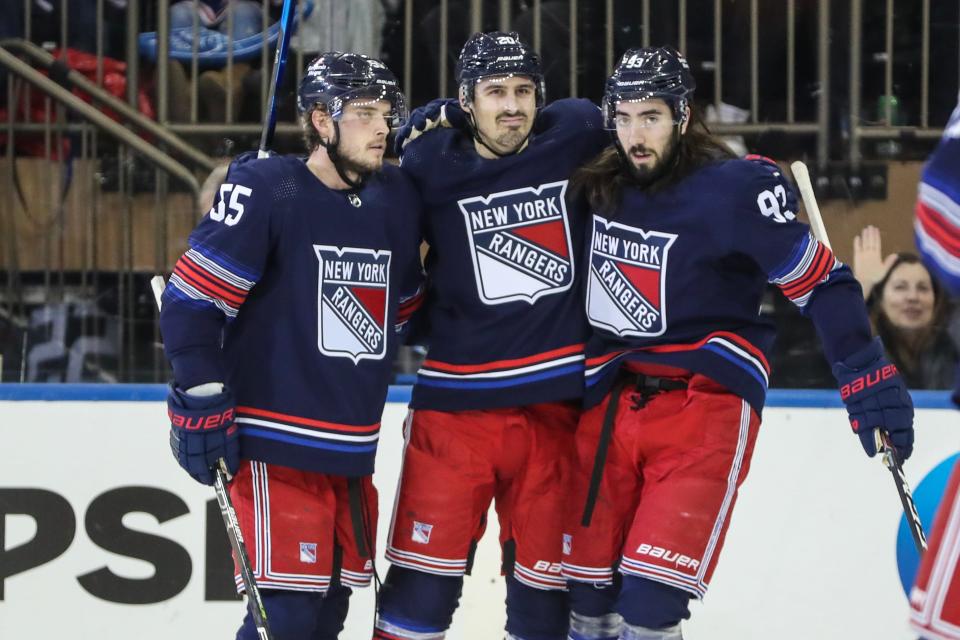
102	536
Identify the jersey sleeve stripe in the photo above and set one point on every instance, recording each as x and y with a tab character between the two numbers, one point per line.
939	228
945	264
799	277
226	262
176	282
799	257
210	287
228	286
408	307
823	263
218	270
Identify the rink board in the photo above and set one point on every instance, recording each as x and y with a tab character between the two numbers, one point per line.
810	552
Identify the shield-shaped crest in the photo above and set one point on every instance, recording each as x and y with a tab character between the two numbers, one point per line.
354	287
520	243
626	293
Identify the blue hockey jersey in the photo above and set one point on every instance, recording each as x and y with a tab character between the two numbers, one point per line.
676	278
937	223
503	317
291	293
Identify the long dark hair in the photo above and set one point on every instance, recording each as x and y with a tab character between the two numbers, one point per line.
906	354
601	181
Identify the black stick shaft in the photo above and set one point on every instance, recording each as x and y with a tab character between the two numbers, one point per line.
229	515
279	62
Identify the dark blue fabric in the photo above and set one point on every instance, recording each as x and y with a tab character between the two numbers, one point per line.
593	600
876	397
654	605
723	232
418	601
536	614
466	322
292	615
275	351
202	431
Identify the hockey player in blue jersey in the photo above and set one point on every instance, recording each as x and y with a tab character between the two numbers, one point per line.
683	242
280	323
497	399
934	599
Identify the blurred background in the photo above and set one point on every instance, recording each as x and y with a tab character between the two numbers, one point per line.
117	118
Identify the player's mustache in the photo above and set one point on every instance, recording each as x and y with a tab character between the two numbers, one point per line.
639	148
518	114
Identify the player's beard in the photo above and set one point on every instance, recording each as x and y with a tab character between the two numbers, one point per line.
510	140
646	175
356	163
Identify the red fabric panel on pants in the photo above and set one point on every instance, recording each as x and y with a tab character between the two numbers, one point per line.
935	598
668	488
292	519
455	463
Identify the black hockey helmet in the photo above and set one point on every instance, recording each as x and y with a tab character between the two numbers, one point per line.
497	53
335	78
650	72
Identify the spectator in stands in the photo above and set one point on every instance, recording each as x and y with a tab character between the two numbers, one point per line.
213	85
909	312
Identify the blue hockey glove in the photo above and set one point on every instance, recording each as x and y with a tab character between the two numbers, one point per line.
202	431
442	112
876	397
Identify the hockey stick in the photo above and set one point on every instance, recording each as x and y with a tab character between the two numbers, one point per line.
890	458
279	62
229	515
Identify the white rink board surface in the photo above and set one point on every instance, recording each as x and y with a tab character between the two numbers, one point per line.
810	552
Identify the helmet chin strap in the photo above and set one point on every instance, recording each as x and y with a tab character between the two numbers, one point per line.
475	130
334	155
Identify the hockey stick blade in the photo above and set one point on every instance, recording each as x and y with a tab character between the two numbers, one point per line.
220	480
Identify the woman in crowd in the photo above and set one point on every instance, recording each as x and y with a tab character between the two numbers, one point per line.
909	312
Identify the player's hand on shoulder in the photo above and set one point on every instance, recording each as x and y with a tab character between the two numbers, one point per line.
442	112
202	430
876	398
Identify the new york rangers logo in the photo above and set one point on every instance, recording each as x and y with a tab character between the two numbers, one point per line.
520	243
628	270
354	286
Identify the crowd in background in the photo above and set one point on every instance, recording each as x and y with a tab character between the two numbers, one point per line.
920	328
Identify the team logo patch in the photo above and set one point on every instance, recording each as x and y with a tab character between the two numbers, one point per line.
520	243
308	552
627	286
421	532
354	286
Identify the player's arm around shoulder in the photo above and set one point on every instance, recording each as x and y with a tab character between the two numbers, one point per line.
578	117
406	238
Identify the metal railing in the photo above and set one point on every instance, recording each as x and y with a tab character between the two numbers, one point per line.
888	122
88	208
